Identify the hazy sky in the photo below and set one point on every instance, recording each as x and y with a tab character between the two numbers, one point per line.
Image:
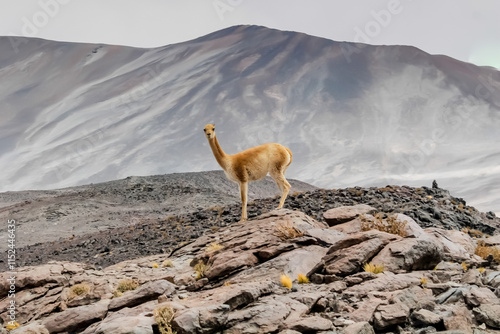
466	30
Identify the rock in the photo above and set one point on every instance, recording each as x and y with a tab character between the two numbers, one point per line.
472	277
309	324
477	296
384	282
359	328
345	213
457	246
325	236
226	262
144	293
410	254
426	317
76	318
141	324
33	328
350	260
365	310
489	314
493	279
460	318
452	295
390	315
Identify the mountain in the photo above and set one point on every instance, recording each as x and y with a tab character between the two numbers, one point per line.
352	114
47	216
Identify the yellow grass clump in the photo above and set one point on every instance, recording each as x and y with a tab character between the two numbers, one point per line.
303	279
373	268
423	281
163	317
286	281
484	251
286	231
390	225
213	247
125	285
78	290
167	263
155	265
11	325
200	268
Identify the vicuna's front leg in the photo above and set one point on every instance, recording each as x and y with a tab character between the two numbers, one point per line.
244	191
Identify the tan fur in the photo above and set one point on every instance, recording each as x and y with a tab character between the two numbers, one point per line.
253	164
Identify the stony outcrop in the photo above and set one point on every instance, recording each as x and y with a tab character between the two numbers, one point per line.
229	282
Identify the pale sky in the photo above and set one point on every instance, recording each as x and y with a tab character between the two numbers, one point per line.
463	29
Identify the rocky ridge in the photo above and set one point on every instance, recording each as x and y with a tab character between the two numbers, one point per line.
155	234
228	281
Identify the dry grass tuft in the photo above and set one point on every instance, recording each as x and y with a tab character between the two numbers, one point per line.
200	268
390	225
12	325
373	268
286	281
423	281
473	232
213	247
286	231
464	266
163	317
167	263
303	279
485	251
481	270
78	290
125	285
155	265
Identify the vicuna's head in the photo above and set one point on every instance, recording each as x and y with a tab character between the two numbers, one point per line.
209	130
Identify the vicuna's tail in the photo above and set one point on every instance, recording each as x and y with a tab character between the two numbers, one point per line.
289	152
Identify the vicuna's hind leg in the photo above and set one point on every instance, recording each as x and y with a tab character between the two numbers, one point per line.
283	185
244	192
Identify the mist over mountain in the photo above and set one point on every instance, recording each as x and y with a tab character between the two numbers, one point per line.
352	114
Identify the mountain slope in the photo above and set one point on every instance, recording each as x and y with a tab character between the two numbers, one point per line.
351	113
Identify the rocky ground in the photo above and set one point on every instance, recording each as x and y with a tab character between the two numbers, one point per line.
157	233
45	216
246	277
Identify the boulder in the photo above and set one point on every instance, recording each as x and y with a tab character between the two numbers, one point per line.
76	318
410	254
457	246
144	293
141	324
426	317
346	213
459	318
349	261
359	328
311	324
390	315
477	296
489	314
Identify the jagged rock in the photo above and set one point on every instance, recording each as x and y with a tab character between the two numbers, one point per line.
142	294
493	279
33	328
359	328
489	314
386	281
345	213
478	296
76	318
325	236
410	254
365	309
426	317
227	262
472	277
350	260
452	295
457	246
459	318
141	324
390	315
310	324
266	315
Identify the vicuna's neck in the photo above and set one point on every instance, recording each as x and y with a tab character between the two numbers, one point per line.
219	154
